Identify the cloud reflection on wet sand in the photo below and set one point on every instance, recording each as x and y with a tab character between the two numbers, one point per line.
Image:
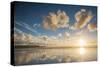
53	56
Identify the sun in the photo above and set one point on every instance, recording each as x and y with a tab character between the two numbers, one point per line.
82	42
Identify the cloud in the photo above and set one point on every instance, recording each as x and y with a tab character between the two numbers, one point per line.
36	25
72	27
60	35
46	24
82	18
44	37
53	37
92	27
18	36
63	19
82	32
66	34
56	20
21	38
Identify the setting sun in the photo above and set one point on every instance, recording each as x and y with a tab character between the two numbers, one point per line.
82	42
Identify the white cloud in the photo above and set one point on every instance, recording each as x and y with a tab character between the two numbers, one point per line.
56	20
60	35
82	18
53	37
21	38
36	25
92	27
66	34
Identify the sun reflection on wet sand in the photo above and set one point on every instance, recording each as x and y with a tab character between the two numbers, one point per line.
82	51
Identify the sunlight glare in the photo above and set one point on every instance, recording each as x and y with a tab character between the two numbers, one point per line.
82	51
82	42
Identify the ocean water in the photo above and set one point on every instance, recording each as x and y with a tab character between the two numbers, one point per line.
28	56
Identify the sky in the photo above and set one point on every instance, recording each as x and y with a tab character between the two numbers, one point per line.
55	21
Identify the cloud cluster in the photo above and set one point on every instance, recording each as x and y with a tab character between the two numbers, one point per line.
66	34
60	19
21	37
56	20
92	27
82	18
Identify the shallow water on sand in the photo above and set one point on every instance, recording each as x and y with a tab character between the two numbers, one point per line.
60	55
